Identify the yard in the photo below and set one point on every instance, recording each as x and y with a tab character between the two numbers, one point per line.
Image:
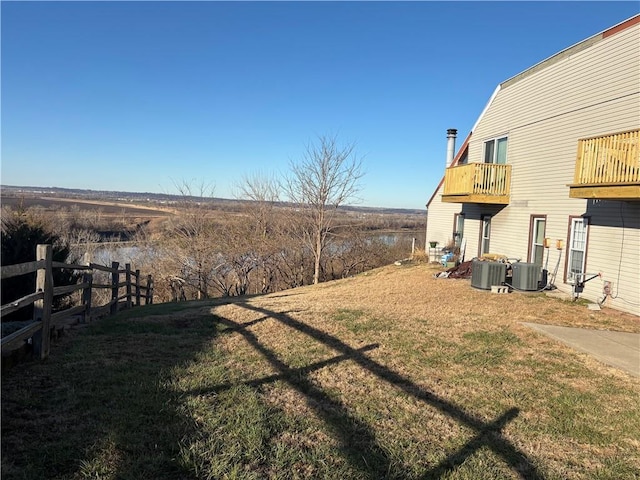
390	374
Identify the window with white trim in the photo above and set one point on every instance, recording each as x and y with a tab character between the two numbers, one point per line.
485	234
538	225
458	233
577	248
495	151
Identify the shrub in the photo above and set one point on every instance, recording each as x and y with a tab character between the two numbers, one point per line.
18	245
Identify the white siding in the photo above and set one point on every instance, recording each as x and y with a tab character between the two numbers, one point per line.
440	218
592	92
614	251
591	78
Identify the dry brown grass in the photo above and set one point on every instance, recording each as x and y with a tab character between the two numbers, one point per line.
443	350
390	374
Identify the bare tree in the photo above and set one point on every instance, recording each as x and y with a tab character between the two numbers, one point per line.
266	234
190	237
262	191
325	178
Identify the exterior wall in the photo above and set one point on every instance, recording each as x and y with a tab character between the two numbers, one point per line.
440	220
614	250
587	92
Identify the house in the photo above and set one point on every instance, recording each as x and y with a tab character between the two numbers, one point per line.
550	173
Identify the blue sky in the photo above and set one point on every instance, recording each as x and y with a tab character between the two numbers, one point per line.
136	96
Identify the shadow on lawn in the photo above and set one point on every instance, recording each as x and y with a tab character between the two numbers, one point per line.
357	439
100	406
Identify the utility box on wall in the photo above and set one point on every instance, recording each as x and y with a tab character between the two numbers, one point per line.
484	275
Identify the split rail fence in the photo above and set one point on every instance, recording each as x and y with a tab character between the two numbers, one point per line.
45	321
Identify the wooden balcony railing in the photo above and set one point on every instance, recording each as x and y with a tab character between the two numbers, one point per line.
477	183
608	167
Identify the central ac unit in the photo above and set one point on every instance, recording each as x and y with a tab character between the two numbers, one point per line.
525	276
486	274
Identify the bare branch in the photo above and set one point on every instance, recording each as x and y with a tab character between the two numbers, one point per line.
325	178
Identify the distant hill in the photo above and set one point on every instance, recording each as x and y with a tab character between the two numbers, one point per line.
147	197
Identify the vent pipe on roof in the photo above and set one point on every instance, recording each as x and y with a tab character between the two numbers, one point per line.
451	145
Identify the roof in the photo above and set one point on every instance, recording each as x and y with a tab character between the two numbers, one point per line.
572	50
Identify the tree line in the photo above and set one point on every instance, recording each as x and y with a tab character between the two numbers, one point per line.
291	232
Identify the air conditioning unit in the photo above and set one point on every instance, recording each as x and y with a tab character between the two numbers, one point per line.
525	276
486	274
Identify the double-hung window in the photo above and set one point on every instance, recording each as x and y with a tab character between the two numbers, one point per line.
495	151
577	248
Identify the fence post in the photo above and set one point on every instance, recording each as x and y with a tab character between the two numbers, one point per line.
115	280
42	308
127	273
149	298
137	288
87	277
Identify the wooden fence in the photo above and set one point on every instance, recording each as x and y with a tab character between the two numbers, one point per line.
44	321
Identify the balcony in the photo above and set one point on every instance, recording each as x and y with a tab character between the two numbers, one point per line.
477	183
608	168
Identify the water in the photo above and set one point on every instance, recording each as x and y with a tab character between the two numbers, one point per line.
134	254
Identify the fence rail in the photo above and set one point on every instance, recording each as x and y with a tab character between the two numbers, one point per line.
44	320
11	271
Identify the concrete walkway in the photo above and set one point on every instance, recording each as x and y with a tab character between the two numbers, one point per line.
617	349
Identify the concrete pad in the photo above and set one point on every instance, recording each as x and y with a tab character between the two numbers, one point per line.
617	349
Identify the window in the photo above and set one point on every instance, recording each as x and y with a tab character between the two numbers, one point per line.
536	239
458	228
485	234
495	151
577	248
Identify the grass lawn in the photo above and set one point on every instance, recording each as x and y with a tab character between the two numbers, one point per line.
391	374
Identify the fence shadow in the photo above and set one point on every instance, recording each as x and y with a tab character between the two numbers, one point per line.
99	403
357	438
354	435
100	407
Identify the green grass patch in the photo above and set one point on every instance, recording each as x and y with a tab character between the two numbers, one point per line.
358	321
575	416
484	348
161	309
99	407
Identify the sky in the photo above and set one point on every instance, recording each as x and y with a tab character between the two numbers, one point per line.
141	96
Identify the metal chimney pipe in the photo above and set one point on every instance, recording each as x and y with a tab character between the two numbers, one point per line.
451	145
